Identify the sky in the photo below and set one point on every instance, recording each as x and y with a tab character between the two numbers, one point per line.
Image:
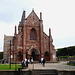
59	15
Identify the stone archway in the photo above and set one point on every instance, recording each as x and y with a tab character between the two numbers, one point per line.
34	53
20	56
47	55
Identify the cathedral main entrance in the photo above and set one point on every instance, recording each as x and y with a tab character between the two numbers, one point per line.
47	56
20	56
34	53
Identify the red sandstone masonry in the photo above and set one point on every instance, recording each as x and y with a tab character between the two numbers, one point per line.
42	44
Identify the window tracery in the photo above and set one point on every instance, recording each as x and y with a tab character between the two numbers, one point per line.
33	34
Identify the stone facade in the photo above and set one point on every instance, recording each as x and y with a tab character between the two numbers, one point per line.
30	41
6	52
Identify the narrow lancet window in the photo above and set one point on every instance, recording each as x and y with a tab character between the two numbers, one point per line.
32	34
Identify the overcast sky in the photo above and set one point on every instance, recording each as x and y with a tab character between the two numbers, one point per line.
59	15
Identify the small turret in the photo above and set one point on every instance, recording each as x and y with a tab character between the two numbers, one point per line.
15	30
23	17
49	32
50	37
40	15
33	10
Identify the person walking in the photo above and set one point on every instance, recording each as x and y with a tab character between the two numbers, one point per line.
44	62
23	65
27	63
32	60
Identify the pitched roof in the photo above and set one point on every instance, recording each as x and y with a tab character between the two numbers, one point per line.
33	14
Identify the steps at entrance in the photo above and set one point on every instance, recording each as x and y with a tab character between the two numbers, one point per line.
44	72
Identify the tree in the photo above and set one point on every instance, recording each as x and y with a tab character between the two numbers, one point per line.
1	55
67	51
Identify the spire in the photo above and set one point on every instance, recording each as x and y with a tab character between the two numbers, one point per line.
50	37
23	15
40	15
32	9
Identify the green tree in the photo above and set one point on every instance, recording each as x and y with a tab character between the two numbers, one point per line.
67	51
1	55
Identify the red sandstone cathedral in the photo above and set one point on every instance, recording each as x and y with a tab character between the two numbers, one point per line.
30	41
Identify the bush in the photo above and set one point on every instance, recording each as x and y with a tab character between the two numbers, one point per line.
63	56
1	55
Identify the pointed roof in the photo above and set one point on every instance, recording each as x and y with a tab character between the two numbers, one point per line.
23	17
33	13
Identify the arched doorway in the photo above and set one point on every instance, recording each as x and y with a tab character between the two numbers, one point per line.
47	56
35	54
20	56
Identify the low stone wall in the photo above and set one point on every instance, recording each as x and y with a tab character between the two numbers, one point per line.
67	59
32	72
72	62
15	73
66	72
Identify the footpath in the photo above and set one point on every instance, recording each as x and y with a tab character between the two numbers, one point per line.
58	66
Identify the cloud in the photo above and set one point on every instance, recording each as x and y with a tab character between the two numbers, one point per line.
64	42
12	10
59	15
7	29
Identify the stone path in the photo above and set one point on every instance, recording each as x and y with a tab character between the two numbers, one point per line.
58	66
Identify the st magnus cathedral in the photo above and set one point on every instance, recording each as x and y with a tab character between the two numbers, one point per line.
30	41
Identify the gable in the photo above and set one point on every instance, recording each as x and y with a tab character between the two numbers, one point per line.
32	19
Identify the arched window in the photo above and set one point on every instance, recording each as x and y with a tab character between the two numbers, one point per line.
32	34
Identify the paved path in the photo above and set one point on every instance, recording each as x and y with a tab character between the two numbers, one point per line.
58	66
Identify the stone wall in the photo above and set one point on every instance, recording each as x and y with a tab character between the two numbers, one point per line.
33	72
67	59
66	72
6	51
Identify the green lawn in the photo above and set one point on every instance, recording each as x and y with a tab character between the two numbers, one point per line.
71	64
7	66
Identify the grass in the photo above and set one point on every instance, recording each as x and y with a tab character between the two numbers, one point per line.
70	64
65	56
7	66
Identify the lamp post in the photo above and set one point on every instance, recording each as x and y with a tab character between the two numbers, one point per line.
10	54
